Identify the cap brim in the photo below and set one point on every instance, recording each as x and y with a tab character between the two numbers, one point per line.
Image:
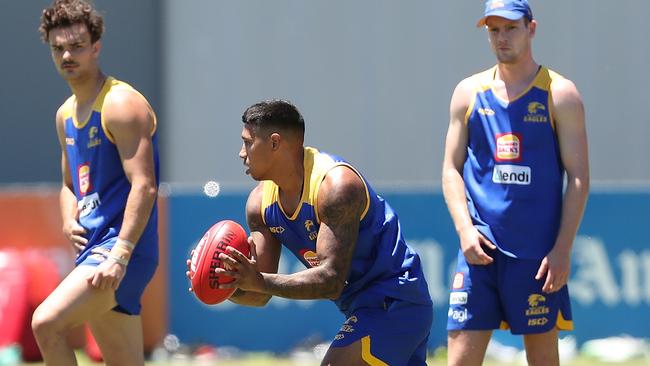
508	14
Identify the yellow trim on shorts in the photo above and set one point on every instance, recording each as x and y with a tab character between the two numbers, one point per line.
367	356
563	324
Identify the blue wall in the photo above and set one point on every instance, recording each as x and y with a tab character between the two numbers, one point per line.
610	280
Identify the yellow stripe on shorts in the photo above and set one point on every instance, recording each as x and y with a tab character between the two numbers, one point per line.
367	356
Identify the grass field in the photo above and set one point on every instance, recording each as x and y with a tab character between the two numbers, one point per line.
261	359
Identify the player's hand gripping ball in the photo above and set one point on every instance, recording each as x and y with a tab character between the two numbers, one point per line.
205	283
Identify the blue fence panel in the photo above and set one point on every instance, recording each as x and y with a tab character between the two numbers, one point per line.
610	280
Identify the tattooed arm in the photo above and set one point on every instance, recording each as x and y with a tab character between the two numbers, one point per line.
341	201
264	245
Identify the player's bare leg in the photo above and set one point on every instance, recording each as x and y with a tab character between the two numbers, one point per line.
542	348
70	304
467	347
347	356
119	336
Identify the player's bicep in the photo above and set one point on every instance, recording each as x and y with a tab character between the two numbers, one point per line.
66	177
267	246
65	171
568	111
341	201
457	132
130	122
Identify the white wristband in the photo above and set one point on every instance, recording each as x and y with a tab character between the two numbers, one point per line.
121	261
130	246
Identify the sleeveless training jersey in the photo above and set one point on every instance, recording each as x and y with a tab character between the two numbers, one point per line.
513	172
382	264
99	182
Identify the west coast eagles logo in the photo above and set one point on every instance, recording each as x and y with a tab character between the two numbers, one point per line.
93	140
309	226
536	113
537	310
347	327
535	299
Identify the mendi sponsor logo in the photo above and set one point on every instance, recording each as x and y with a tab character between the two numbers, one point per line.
87	204
458	298
511	174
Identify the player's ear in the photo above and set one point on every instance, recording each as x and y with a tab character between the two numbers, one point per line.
532	27
97	46
275	140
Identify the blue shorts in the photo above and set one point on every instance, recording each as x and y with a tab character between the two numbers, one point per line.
138	274
505	294
395	334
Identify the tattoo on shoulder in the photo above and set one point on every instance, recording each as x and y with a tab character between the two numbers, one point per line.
255	222
343	204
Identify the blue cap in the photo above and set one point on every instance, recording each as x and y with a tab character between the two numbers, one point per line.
509	9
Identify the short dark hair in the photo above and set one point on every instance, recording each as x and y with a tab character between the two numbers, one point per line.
64	13
274	114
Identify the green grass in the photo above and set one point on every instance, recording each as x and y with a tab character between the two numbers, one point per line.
264	359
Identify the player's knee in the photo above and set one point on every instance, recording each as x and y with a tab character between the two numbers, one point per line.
46	324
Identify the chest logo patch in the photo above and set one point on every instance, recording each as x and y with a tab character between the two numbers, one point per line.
536	113
311	257
93	139
83	174
309	226
508	147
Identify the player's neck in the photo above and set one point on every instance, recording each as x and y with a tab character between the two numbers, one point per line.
517	74
85	89
290	179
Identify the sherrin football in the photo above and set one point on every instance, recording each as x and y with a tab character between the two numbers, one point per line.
205	283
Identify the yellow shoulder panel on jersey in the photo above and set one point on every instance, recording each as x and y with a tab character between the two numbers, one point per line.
319	165
66	107
269	197
482	82
113	84
552	75
485	79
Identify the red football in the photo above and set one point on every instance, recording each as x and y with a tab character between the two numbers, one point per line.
206	258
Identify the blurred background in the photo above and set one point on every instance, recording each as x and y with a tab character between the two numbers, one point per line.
373	79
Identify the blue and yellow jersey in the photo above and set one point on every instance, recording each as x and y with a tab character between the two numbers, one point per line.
382	265
99	182
513	172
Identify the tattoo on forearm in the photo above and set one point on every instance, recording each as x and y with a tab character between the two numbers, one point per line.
340	214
